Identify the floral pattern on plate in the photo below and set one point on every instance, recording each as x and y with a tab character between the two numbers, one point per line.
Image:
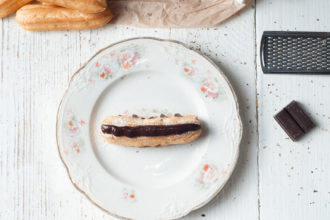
77	145
208	174
205	80
129	195
128	58
73	128
113	63
210	88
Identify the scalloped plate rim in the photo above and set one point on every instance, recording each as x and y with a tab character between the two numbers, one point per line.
233	165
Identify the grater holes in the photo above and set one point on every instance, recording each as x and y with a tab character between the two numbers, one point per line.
297	53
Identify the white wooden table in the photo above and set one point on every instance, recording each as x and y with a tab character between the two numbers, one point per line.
274	179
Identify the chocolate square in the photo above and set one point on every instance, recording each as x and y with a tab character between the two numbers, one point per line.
294	121
298	114
289	125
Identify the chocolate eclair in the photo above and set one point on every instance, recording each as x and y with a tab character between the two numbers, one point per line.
135	131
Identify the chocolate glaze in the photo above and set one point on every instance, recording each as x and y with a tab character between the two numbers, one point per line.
149	130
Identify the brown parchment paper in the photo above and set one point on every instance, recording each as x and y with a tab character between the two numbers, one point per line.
174	13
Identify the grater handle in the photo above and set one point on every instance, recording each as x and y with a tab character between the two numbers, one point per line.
262	53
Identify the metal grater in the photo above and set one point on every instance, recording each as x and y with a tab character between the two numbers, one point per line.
295	52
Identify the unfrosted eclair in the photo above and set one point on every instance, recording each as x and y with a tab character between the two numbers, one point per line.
87	6
9	6
46	17
158	131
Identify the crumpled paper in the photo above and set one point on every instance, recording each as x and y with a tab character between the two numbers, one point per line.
174	13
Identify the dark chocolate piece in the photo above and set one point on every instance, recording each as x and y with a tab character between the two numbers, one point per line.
162	115
149	130
135	116
298	114
289	125
177	115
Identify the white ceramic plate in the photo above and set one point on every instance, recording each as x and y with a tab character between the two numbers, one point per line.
149	77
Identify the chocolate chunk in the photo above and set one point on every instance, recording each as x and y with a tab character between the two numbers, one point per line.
162	115
298	114
135	116
177	115
294	121
289	125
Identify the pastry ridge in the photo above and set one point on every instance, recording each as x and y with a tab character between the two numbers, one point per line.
46	17
87	6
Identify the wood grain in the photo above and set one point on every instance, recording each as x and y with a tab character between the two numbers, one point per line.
294	177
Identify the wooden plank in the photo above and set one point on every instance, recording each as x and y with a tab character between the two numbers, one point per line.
294	177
